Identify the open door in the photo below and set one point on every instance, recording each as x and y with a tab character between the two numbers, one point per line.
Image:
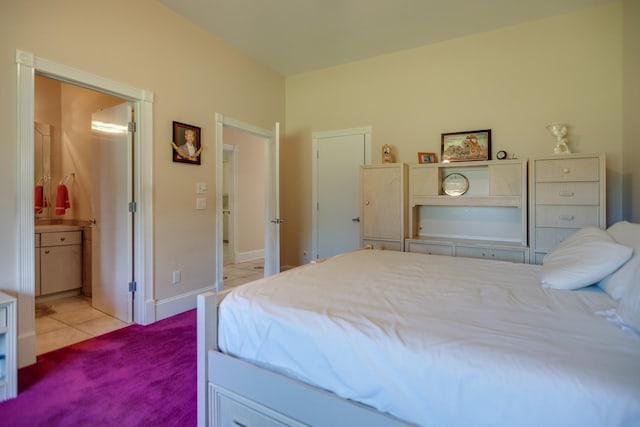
112	231
272	205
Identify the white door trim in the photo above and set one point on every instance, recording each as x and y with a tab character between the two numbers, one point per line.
233	184
222	122
27	66
316	138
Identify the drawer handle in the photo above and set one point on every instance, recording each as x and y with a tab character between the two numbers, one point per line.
62	239
238	423
566	170
566	194
46	251
567	217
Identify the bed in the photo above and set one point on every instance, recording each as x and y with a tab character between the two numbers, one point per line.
382	338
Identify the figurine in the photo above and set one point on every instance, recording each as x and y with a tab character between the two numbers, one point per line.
560	132
386	154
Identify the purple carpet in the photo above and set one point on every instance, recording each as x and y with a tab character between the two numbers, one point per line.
136	376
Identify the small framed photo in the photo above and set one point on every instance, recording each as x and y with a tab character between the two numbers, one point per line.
186	146
466	146
427	158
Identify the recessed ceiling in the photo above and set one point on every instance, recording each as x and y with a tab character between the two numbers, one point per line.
296	36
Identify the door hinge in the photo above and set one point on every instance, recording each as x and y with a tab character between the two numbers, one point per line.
133	286
132	207
132	127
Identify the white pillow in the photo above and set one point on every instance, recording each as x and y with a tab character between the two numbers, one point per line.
617	283
629	306
626	233
582	259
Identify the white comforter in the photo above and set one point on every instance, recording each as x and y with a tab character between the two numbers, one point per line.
440	341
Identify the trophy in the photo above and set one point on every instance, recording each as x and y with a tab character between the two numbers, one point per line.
559	130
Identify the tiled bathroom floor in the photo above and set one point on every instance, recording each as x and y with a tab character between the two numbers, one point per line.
66	321
238	274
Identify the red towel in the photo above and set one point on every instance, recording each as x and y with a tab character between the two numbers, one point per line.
62	199
38	199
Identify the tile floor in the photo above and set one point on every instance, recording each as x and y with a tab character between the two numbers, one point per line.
238	274
69	320
66	321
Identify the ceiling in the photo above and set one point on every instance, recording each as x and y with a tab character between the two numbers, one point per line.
296	36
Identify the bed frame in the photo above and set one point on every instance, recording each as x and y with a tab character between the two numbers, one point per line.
237	393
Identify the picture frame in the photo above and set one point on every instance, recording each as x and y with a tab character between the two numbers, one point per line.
466	146
427	158
184	134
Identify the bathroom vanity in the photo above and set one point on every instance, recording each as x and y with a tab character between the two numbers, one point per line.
58	250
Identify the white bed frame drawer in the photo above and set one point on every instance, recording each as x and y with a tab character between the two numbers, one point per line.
236	411
3	317
568	193
568	169
566	216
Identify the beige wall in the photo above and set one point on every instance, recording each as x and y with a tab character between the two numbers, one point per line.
192	74
631	108
514	81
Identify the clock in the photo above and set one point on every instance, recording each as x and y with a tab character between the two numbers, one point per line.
455	184
501	155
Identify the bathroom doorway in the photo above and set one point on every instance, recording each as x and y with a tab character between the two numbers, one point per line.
66	308
27	66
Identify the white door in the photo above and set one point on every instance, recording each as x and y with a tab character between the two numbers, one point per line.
272	205
338	193
112	232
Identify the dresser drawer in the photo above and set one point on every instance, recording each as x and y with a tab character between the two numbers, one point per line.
515	255
566	216
568	193
61	238
387	245
567	169
548	238
429	248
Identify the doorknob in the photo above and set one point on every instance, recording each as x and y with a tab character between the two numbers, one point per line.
357	219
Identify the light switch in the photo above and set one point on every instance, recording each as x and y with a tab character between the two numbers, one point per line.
201	188
201	203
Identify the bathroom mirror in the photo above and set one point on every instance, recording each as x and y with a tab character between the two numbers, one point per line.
42	170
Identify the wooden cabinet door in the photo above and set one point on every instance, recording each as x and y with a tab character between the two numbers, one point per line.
382	203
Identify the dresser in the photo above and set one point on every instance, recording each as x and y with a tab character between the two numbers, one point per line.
8	352
383	206
566	193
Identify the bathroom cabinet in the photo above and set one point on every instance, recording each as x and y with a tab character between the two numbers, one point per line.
60	263
8	352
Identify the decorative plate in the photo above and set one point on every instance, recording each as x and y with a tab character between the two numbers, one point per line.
455	184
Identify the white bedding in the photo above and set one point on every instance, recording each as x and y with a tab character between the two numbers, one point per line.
440	341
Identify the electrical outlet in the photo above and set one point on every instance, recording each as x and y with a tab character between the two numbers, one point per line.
177	277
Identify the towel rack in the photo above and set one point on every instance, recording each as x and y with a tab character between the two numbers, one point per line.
43	179
67	177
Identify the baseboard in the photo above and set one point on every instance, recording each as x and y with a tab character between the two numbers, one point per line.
179	304
26	349
249	256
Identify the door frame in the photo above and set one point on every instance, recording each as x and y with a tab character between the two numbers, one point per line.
222	122
316	139
233	183
27	66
